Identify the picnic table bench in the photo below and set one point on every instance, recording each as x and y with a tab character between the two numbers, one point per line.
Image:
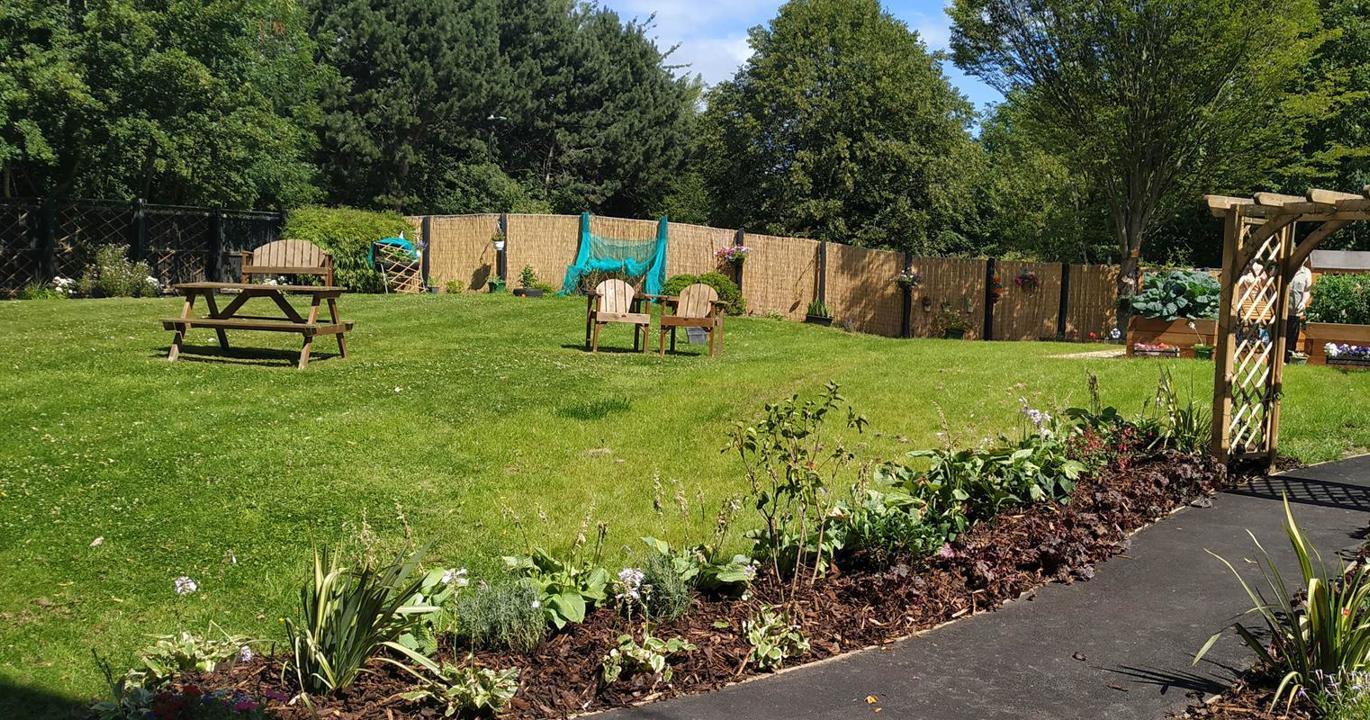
229	318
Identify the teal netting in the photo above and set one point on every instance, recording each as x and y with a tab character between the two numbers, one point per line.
635	258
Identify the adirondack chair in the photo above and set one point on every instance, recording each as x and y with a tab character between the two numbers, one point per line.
288	257
615	301
696	306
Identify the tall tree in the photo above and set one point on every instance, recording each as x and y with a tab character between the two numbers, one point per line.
180	101
1150	99
595	118
841	126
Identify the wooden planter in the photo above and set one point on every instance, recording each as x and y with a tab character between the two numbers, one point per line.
817	320
1317	335
1152	331
528	292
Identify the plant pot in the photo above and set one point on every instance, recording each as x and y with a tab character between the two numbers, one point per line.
495	286
816	320
954	333
528	292
1203	353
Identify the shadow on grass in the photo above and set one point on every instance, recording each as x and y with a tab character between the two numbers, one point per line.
18	702
265	357
610	349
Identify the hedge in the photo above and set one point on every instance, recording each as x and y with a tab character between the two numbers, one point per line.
1341	299
347	234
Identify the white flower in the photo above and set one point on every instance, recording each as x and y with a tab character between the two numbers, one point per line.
185	586
460	578
537	604
632	583
1331	350
245	654
1115	333
749	570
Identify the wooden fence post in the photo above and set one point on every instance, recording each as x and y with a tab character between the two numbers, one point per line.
823	272
738	239
991	268
1064	309
426	246
46	244
502	255
906	322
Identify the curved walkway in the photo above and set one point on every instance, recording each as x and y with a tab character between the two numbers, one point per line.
1116	647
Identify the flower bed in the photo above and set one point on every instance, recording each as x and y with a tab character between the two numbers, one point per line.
1336	344
906	550
1141	349
1178	336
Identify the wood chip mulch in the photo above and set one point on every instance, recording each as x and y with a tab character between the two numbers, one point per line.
994	562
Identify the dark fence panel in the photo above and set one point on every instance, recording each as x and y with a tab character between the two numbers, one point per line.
40	240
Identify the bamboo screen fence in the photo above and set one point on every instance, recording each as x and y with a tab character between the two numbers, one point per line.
781	276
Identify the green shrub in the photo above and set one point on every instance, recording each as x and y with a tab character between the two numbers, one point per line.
1178	294
727	290
347	234
1341	299
1310	641
818	309
114	275
669	598
347	616
886	525
499	617
568	586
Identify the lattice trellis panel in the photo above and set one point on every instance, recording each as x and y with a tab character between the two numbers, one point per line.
82	228
177	244
20	263
1258	310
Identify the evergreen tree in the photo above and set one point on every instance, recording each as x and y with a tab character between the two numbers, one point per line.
841	126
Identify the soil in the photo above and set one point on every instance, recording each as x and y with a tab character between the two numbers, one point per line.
1249	699
994	562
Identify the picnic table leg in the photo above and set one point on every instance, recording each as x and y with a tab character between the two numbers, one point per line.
179	338
214	313
333	313
309	334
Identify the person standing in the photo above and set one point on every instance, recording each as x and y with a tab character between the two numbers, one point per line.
1300	293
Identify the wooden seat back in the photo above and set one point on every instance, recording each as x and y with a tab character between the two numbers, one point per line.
614	296
288	257
696	301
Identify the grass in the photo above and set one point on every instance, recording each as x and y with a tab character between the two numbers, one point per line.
473	421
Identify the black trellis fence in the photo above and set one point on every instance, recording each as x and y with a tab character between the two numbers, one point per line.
43	239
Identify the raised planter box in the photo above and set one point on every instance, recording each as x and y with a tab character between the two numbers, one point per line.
528	292
1317	335
1171	353
816	320
1151	331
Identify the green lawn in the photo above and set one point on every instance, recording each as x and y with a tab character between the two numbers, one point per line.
454	415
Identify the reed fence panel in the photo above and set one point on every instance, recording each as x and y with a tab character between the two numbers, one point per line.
780	275
691	248
1092	306
461	250
546	243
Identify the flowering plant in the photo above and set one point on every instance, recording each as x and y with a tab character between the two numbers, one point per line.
1154	348
909	279
996	288
732	254
1346	352
1026	280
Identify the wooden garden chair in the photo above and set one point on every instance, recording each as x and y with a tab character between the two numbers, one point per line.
697	306
615	301
288	257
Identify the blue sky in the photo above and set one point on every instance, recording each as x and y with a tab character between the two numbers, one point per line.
712	34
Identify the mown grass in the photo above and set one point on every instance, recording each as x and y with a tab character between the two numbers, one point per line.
475	422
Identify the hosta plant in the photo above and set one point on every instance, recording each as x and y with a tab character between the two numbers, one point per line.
465	690
568	587
652	655
706	568
1326	634
186	652
774	638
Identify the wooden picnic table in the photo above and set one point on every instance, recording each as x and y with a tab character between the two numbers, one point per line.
290	319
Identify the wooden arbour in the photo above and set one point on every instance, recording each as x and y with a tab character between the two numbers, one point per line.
1263	247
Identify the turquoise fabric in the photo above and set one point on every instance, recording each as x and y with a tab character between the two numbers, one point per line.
400	243
634	258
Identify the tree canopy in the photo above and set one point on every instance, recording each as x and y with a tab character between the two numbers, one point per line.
841	126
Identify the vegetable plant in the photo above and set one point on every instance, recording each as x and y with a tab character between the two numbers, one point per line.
1178	294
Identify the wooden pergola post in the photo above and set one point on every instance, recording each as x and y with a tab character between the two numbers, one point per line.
1248	376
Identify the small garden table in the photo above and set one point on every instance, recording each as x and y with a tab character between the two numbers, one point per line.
290	319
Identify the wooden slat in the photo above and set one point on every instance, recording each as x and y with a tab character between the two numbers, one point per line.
1319	195
1219	204
240	323
1270	199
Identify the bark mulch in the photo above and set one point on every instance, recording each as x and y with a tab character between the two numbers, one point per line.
994	562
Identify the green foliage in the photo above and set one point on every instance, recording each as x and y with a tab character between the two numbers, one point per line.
187	101
1178	294
527	277
568	587
982	481
774	639
652	655
886	525
114	275
1125	94
1344	696
347	234
438	591
184	652
704	567
1308	642
1341	299
465	691
503	616
818	309
1182	425
669	598
58	289
347	616
128	699
727	290
841	126
791	466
